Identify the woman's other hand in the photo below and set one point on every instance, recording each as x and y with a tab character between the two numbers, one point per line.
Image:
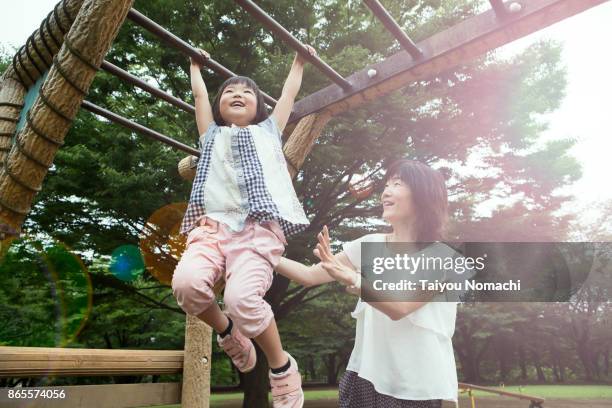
330	263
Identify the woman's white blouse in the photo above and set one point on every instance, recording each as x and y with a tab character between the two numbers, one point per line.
411	358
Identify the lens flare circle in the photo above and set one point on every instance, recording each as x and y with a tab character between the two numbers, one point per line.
126	263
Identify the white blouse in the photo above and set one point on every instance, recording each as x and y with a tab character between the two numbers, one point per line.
411	358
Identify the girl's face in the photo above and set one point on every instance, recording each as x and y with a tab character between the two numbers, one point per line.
238	104
397	201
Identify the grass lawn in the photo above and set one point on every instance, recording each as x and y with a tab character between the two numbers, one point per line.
579	392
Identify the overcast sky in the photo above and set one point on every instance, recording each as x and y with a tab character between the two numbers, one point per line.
585	113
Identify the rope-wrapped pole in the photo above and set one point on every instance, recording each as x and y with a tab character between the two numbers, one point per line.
36	56
74	67
28	65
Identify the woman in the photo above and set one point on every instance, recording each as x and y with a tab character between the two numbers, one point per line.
403	354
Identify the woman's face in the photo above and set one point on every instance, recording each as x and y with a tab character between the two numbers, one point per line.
238	104
397	201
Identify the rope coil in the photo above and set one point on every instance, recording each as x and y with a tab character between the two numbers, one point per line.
7	119
27	51
12	209
12	105
19	181
19	58
64	75
53	108
44	41
48	26
66	12
29	155
16	70
40	134
79	56
35	47
57	19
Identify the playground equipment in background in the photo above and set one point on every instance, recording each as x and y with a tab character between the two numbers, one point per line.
534	402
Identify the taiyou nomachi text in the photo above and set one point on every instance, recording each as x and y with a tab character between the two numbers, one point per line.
438	286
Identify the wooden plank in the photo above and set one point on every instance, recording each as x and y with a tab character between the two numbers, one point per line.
43	361
453	46
97	396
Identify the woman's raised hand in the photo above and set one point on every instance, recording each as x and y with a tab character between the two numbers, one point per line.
197	64
332	266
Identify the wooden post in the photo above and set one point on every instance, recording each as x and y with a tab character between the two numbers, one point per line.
196	367
58	102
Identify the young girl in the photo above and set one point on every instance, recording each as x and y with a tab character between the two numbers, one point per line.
242	206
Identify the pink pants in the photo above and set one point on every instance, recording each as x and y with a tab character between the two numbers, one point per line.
246	258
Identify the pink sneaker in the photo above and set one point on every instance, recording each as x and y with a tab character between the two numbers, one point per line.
240	349
287	387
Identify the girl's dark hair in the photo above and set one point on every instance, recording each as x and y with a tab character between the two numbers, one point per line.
262	112
429	197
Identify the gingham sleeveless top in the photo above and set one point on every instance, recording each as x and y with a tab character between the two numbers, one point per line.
242	174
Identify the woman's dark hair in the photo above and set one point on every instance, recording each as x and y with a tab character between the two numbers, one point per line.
429	197
262	112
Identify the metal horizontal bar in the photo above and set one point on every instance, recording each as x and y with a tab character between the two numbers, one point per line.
391	25
442	51
185	48
131	79
113	117
499	7
44	361
293	42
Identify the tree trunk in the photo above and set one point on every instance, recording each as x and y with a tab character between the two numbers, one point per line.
504	354
332	372
595	364
256	384
556	364
522	364
310	367
538	367
583	355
